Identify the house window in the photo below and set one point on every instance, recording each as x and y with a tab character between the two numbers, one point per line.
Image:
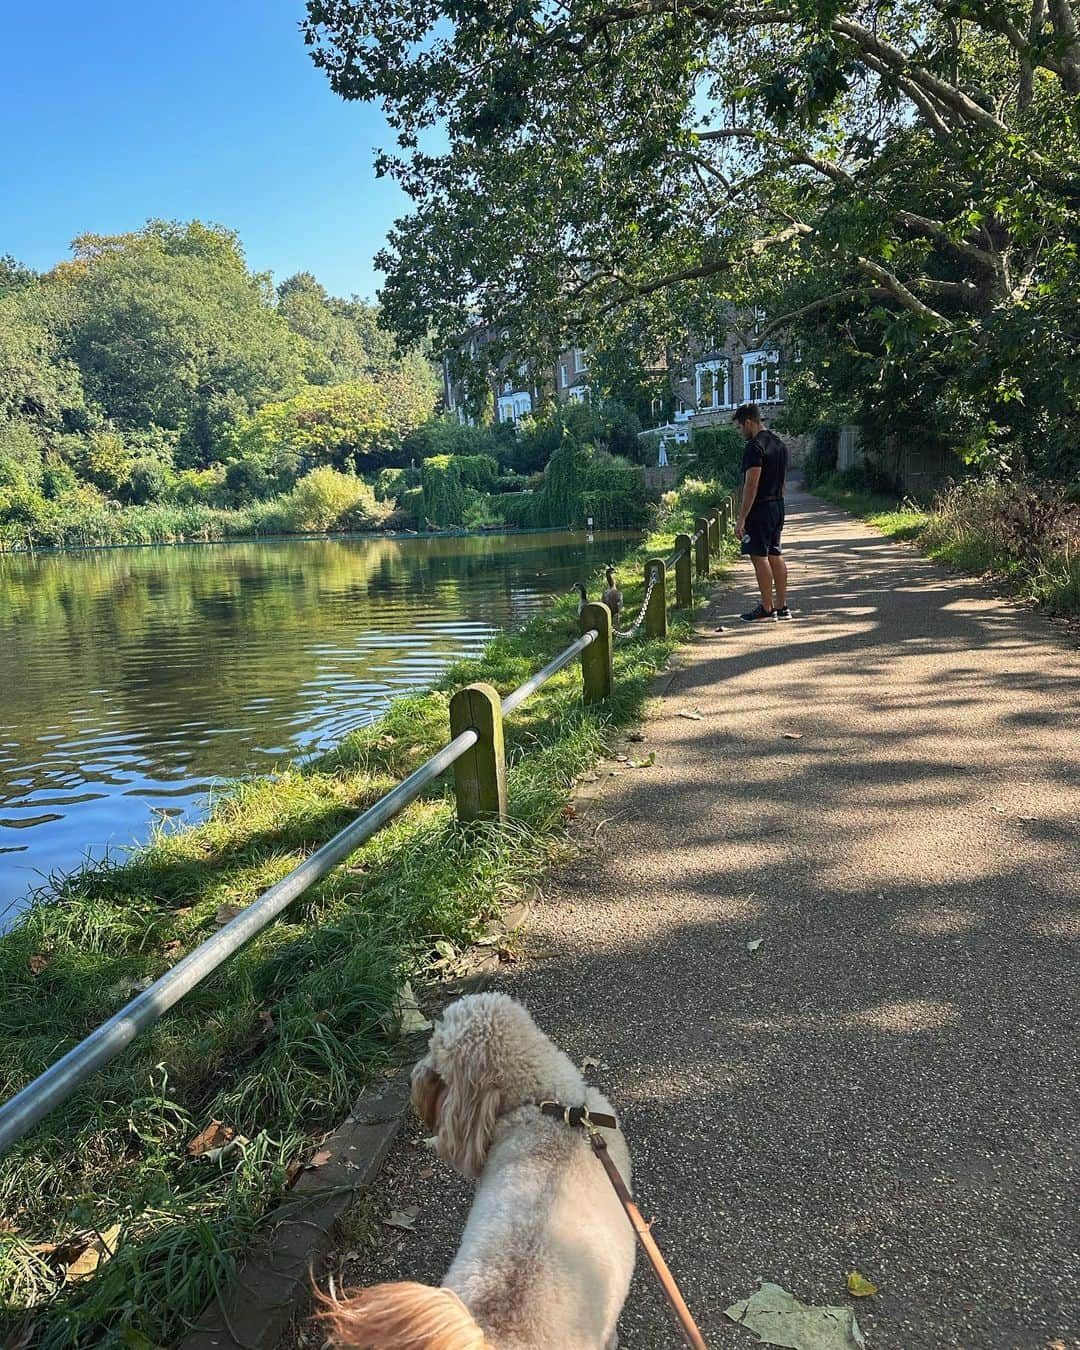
579	394
563	381
579	361
761	377
713	384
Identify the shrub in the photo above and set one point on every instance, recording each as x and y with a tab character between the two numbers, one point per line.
478	471
198	487
821	461
145	483
445	496
57	480
247	482
21	505
327	500
20	454
716	454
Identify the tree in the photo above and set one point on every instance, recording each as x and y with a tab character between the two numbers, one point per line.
172	330
900	186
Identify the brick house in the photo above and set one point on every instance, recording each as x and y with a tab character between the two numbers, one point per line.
516	390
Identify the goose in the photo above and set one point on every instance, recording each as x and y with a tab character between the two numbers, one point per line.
583	598
612	597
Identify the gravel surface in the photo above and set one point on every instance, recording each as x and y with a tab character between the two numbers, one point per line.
888	1083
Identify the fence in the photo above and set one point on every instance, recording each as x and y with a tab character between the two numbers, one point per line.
476	754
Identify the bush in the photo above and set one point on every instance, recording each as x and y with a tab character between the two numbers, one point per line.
57	480
247	482
328	500
20	455
821	461
478	471
22	506
716	453
145	483
198	487
445	496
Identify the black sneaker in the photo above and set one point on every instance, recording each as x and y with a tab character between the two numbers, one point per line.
760	613
783	612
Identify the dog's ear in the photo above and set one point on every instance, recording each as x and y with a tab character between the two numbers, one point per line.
427	1089
466	1123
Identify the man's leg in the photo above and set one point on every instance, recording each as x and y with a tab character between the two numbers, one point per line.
764	579
778	572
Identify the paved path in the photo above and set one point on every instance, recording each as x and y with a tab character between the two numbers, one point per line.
888	1084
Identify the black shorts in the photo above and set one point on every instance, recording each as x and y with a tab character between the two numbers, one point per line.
763	527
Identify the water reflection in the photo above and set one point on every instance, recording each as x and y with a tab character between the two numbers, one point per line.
130	679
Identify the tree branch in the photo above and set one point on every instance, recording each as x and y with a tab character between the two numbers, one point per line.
900	292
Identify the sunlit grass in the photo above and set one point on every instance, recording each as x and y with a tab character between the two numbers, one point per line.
278	1042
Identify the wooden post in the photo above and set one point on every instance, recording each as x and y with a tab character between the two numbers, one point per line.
684	586
656	614
480	773
701	553
725	515
714	530
597	673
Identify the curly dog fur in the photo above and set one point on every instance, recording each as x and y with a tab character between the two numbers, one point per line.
547	1253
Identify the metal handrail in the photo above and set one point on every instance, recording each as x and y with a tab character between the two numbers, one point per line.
60	1080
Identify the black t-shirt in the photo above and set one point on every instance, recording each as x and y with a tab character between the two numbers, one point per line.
769	453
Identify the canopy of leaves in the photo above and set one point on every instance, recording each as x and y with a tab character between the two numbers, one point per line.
897	184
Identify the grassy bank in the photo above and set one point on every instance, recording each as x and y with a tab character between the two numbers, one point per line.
278	1043
1021	537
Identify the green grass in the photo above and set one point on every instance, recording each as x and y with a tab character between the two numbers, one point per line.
961	530
279	1042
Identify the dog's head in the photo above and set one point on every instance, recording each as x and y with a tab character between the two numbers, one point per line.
486	1057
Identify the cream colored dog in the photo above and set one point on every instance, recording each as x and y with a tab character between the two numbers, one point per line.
547	1253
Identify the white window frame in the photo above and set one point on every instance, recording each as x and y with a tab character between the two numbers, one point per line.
719	367
512	407
759	386
579	393
563	379
580	361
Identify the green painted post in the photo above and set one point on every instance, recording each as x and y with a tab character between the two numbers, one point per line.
701	548
656	614
597	673
480	773
684	585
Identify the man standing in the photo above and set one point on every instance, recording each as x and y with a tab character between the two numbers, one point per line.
761	516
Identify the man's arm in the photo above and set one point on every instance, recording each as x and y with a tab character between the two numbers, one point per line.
749	492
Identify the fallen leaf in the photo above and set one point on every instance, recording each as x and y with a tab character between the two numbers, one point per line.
646	763
636	736
1027	819
403	1218
225	913
171	948
96	1254
999	809
267	1020
292	1172
37	964
779	1318
319	1159
406	1013
858	1286
693	716
570	811
426	1173
213	1136
1056	1345
754	944
186	909
791	735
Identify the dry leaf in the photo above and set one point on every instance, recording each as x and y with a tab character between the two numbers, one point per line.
570	811
225	913
754	944
779	1318
37	964
507	957
267	1020
171	948
402	1218
636	736
693	716
1056	1345
407	1015
319	1159
96	1254
791	735
426	1173
646	763
858	1286
292	1172
214	1136
1027	819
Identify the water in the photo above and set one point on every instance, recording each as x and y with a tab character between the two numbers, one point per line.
131	679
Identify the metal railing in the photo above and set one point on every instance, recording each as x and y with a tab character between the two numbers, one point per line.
476	754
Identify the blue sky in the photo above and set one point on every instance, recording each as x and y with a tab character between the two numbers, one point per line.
118	110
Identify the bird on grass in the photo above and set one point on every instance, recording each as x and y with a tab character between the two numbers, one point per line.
612	597
583	597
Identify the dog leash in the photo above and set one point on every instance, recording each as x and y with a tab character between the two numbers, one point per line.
581	1116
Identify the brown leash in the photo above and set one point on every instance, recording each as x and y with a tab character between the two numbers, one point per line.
579	1115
